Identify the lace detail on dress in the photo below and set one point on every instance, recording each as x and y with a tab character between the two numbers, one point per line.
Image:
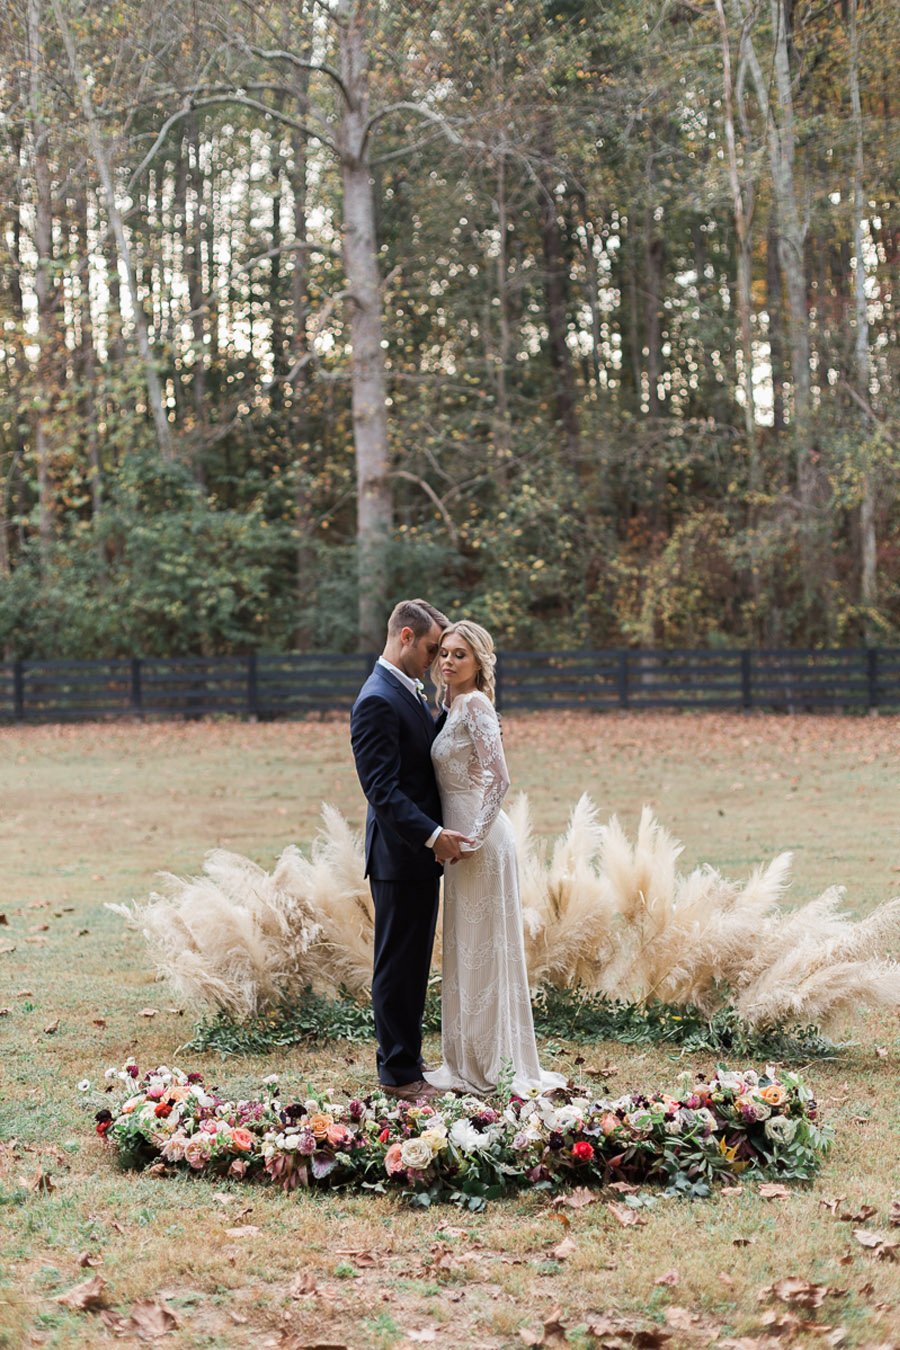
485	1003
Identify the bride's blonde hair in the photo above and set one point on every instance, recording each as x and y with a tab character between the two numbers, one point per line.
482	645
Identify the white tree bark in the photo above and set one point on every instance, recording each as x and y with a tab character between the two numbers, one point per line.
868	539
368	378
43	287
742	208
779	120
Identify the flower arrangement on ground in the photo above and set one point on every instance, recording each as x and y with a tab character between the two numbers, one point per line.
463	1149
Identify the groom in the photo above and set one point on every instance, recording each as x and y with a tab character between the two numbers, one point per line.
391	731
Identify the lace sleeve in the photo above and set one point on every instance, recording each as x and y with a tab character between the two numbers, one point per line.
483	726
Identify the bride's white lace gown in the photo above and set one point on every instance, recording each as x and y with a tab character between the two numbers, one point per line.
485	1008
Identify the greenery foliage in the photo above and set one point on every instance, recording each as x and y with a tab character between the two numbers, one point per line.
565	1014
569	460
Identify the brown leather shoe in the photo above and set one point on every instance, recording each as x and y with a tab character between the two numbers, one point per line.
416	1091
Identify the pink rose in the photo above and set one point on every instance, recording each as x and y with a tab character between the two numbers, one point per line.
392	1162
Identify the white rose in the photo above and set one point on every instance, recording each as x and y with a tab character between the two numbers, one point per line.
780	1129
416	1153
466	1137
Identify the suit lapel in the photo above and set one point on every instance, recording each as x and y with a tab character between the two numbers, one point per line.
410	697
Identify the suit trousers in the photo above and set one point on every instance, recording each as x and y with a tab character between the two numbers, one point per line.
405	919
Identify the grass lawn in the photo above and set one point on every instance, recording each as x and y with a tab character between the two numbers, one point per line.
88	814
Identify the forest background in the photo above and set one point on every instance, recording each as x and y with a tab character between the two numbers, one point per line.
576	317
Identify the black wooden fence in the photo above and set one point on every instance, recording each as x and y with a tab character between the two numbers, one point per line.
596	681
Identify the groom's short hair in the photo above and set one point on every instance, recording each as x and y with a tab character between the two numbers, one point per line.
417	615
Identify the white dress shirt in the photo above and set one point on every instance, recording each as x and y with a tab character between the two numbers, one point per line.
414	688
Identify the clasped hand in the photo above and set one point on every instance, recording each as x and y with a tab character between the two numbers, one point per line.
448	846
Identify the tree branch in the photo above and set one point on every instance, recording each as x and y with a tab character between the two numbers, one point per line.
430	492
298	62
242	101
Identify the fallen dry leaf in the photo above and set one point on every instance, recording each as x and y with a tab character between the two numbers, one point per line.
894	1217
553	1332
743	1241
37	941
150	1320
731	1190
773	1190
243	1230
42	1183
787	1323
5	1012
89	1259
361	1258
6	947
832	1205
147	1012
868	1237
691	1323
89	1294
423	1334
624	1187
51	1028
803	1293
625	1331
98	1022
865	1212
881	1051
23	993
627	1217
577	1199
670	1278
564	1249
4	922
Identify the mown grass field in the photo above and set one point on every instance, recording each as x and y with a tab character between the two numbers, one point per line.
88	814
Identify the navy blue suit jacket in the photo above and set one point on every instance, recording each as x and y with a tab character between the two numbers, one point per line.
391	732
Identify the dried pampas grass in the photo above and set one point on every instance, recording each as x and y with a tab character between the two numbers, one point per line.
599	912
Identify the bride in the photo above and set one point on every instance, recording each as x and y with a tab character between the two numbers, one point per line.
487	1026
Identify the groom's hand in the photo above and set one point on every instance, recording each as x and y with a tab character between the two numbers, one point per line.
447	846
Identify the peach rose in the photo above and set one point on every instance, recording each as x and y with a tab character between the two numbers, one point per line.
774	1094
241	1139
392	1162
320	1124
337	1135
609	1123
133	1103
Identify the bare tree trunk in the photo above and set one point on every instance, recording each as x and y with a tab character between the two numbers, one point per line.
368	379
304	523
779	119
502	430
593	288
868	541
774	306
104	170
742	208
654	259
43	243
556	300
86	366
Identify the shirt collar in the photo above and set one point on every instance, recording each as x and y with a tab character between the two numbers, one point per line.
413	686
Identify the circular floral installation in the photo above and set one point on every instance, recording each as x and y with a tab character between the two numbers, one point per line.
465	1150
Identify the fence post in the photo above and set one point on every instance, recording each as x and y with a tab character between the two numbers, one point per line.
872	676
622	679
746	684
19	691
137	692
252	687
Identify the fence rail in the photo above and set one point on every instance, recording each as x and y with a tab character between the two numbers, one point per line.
293	685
